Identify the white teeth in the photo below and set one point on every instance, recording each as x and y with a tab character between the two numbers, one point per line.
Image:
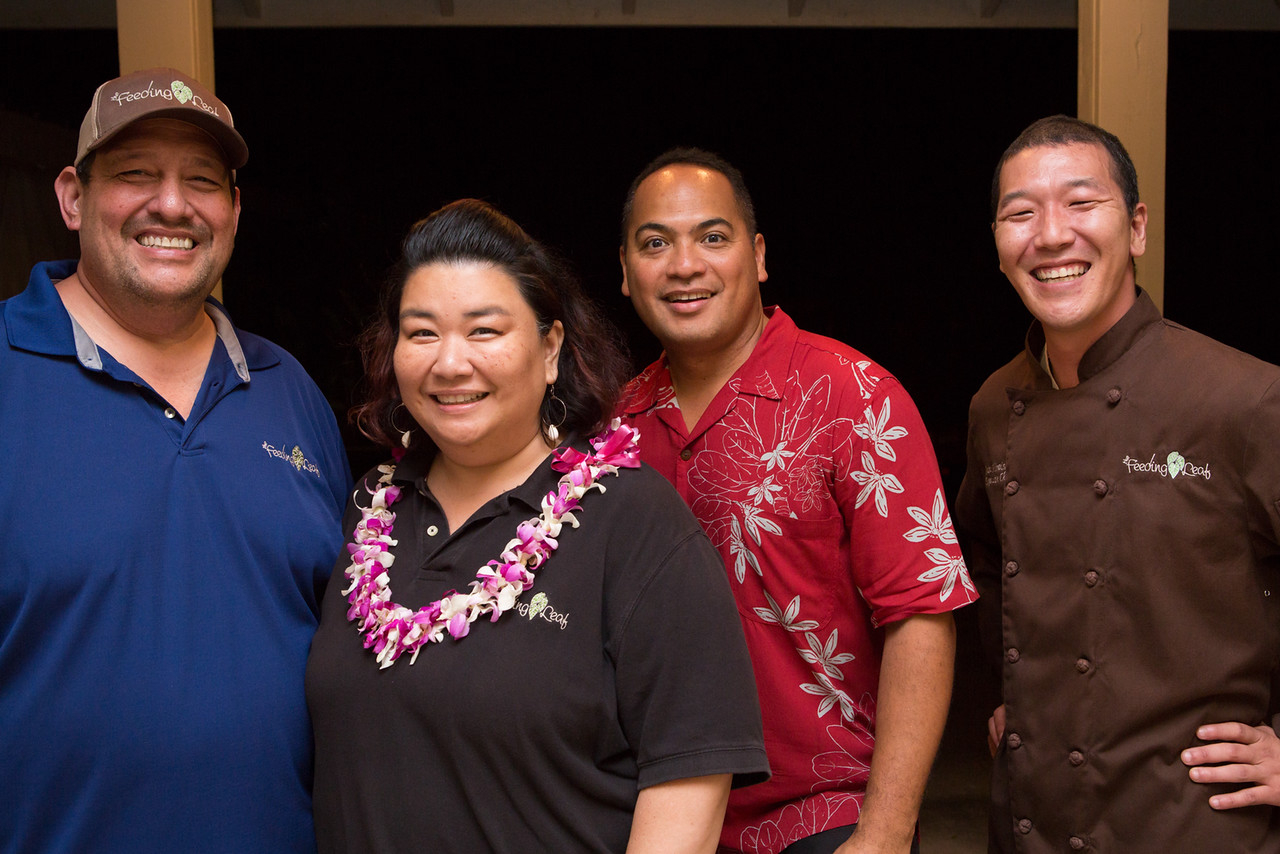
688	297
448	399
1056	274
166	242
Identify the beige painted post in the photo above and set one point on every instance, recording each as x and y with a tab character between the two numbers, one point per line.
1123	77
176	33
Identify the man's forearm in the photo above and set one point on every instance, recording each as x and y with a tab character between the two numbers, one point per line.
911	711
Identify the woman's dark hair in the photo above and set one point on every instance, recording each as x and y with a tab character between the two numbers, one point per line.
593	364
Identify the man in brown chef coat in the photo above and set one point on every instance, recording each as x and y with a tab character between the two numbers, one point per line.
1120	517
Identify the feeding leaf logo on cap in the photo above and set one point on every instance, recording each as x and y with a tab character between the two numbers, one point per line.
181	91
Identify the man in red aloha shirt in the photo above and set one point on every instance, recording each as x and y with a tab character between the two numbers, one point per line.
811	471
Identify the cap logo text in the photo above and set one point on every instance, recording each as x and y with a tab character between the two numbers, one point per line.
177	90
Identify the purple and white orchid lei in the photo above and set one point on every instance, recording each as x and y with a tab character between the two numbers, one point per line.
391	630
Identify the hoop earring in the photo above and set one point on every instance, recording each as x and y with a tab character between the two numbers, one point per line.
550	430
405	435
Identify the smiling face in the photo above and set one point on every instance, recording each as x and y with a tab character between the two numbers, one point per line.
158	215
689	264
470	362
1066	240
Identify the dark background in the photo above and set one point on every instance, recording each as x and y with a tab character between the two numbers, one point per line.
869	153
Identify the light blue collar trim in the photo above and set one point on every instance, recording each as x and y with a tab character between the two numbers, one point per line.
227	333
87	350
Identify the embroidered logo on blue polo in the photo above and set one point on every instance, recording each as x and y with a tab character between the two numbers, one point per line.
539	607
1173	466
295	458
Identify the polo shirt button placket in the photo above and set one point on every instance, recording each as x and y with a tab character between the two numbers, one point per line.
170	412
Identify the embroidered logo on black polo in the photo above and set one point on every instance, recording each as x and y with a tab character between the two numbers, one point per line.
294	457
540	608
1173	466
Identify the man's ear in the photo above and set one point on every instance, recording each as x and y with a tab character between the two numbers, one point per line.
70	193
622	259
1138	231
761	272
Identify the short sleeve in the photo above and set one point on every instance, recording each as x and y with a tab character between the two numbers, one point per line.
903	551
686	694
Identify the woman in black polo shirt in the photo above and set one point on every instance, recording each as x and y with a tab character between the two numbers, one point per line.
529	645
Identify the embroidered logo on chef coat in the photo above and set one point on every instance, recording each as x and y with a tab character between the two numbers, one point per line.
1173	466
539	607
295	458
995	473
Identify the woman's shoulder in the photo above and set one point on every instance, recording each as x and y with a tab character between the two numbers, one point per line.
642	494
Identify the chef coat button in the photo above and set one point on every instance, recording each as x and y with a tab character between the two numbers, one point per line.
1091	578
1019	407
1083	665
170	412
1100	487
432	530
1012	655
1113	396
1024	825
1076	843
1011	488
1013	741
1076	758
1011	568
685	454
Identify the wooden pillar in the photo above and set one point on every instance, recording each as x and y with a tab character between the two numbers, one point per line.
1123	77
175	33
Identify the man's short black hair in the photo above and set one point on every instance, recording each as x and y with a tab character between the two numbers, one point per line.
1065	130
686	156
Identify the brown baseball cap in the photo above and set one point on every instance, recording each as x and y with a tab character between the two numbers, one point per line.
159	93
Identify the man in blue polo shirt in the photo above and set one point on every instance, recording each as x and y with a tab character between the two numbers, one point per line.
169	511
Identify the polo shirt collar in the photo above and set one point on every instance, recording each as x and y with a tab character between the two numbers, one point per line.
411	472
37	321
